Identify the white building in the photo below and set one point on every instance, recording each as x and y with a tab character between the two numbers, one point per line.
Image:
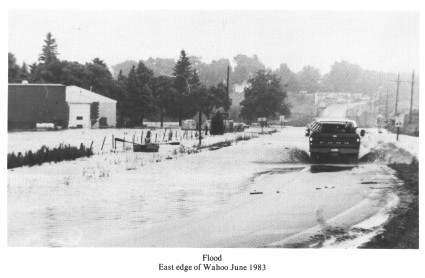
80	101
239	88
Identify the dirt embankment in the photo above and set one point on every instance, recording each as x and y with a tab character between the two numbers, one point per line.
402	230
387	153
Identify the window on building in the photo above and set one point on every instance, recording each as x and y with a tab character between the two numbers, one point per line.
79	117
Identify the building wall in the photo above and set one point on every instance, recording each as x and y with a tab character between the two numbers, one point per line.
79	115
31	104
109	111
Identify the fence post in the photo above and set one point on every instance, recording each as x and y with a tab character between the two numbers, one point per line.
103	143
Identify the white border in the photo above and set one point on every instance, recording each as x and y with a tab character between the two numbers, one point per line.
142	262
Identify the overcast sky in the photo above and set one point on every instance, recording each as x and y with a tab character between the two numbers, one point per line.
387	41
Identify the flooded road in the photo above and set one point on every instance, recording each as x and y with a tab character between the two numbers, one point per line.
266	208
280	204
257	193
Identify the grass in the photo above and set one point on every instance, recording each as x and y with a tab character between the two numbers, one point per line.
244	137
43	155
402	230
227	142
218	145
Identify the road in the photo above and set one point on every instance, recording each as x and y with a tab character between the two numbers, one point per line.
287	205
257	193
339	110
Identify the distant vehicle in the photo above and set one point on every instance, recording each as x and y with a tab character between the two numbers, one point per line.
45	126
334	138
189	124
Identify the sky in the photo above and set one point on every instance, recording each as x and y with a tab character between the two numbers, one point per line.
384	41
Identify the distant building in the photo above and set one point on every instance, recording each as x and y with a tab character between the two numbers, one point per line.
239	88
29	104
82	101
71	106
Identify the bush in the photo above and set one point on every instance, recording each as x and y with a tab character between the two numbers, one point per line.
45	154
217	125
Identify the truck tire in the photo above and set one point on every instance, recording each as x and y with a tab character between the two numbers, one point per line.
353	158
314	157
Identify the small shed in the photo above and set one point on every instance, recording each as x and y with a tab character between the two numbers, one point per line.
81	104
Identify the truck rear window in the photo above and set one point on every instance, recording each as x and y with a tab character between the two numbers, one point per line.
338	128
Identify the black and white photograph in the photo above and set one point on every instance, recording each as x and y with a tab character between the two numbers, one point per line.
212	128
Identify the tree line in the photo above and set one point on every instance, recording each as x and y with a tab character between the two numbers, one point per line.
139	93
159	88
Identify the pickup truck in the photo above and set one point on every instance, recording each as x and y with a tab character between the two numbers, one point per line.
334	138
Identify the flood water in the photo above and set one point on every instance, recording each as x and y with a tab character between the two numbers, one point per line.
67	212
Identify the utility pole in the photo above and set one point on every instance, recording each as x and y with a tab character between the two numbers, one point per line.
199	127
227	89
396	98
411	97
386	105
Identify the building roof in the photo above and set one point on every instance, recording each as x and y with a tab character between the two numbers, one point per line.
75	94
35	84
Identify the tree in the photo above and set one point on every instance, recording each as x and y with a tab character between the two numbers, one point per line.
246	67
183	73
264	97
49	51
98	77
138	102
217	125
124	67
23	73
73	73
212	73
308	79
287	78
162	89
342	77
214	98
13	68
160	66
